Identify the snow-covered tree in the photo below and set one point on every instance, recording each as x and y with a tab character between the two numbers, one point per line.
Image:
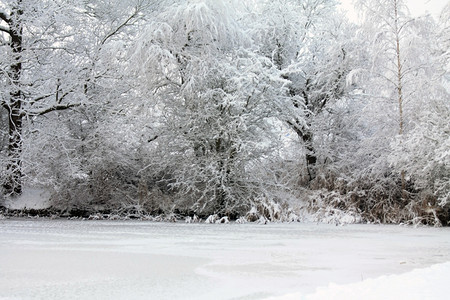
400	84
103	140
52	60
40	70
217	104
423	150
306	41
226	107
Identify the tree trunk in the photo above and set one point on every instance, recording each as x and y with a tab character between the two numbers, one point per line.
399	91
307	137
311	158
13	182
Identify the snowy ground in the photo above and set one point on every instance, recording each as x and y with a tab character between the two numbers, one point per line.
31	198
61	259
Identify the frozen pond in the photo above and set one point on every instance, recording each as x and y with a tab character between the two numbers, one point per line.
61	259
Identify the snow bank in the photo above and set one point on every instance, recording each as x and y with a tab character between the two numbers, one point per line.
427	283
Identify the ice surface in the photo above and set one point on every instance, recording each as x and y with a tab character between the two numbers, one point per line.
61	259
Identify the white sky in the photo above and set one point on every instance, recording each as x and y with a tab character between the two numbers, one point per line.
416	7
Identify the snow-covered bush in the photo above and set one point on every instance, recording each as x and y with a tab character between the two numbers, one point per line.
424	154
212	219
193	219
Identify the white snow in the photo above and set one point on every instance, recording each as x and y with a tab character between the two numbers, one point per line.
427	283
61	259
31	198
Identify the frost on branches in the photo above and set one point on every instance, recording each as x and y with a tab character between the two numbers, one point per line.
250	110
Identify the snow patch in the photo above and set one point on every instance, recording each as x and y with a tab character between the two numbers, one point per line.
31	198
427	283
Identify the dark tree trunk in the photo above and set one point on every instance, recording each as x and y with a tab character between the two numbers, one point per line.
311	158
307	138
13	182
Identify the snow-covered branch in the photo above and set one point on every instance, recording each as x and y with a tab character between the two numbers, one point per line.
5	29
119	28
58	107
5	17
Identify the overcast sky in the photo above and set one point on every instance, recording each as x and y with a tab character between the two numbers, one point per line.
416	7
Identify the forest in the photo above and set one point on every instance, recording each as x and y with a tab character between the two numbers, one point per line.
251	110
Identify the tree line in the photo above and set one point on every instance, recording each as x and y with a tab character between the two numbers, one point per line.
254	109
